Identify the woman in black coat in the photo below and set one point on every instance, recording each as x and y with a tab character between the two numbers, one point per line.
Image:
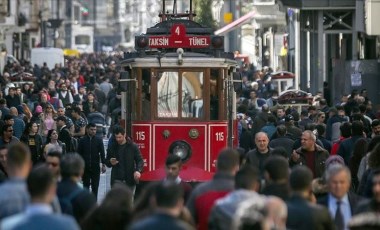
32	139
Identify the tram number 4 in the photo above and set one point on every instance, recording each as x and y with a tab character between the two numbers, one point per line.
219	136
177	30
140	135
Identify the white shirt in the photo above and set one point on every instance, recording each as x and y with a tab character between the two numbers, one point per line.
345	208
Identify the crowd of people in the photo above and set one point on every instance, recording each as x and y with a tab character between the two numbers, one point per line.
314	168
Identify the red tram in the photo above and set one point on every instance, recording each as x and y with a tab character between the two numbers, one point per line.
180	98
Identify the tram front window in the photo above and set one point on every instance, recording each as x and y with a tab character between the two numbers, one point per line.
192	96
167	95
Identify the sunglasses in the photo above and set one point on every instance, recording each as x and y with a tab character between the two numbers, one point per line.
9	131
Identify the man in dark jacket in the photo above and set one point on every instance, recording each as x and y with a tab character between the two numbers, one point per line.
310	154
302	214
125	159
169	202
74	200
257	157
282	140
347	146
339	201
64	133
276	177
91	148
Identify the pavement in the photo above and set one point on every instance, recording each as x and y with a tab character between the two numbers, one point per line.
105	178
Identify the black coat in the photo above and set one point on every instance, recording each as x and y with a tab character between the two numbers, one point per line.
92	151
280	190
82	203
353	199
36	157
130	161
65	136
303	215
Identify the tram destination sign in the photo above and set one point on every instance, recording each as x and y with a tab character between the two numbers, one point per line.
178	39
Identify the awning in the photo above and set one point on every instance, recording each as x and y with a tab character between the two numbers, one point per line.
235	23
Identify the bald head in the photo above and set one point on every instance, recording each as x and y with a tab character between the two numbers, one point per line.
262	141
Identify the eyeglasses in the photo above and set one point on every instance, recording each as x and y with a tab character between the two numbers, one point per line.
52	164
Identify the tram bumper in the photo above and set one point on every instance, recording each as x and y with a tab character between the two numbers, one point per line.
188	174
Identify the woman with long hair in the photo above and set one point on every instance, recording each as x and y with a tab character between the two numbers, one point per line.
33	140
52	143
320	118
47	121
365	188
28	114
360	150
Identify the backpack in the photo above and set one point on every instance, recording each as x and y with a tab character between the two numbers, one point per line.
66	202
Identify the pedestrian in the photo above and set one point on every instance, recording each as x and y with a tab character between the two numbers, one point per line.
79	123
173	168
3	163
340	202
74	200
276	170
115	212
246	187
204	195
41	186
33	140
13	193
53	144
373	204
302	213
258	156
91	148
125	159
168	197
310	154
7	137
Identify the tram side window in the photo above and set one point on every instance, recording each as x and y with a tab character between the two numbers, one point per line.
192	94
167	95
214	98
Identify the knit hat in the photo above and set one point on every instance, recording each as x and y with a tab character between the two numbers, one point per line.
38	109
335	159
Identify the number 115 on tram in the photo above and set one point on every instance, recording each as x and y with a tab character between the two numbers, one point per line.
180	98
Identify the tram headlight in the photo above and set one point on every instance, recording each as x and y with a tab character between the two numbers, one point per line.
141	42
181	149
217	42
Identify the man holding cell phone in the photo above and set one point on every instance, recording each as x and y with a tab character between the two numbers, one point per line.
125	159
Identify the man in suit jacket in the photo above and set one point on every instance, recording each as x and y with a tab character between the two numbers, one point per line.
339	201
302	214
39	214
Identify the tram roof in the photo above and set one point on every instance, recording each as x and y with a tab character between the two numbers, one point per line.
170	60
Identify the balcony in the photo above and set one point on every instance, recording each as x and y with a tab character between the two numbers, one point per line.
320	4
